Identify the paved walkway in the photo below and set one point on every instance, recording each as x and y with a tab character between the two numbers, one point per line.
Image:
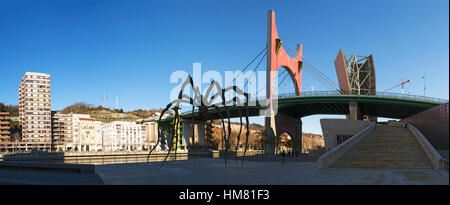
41	177
212	172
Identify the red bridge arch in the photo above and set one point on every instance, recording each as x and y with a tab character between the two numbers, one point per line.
277	57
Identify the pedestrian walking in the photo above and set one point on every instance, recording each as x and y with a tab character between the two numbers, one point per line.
283	160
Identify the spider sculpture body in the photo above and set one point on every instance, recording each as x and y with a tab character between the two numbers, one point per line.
204	103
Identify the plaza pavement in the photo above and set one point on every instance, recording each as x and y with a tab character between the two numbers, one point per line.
41	177
254	172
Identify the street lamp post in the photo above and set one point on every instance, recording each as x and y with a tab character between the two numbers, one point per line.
424	87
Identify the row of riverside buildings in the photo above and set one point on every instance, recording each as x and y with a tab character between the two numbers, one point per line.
80	132
46	130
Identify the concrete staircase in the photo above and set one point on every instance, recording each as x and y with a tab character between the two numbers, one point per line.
386	147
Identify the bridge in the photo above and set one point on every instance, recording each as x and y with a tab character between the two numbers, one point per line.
355	96
291	108
389	105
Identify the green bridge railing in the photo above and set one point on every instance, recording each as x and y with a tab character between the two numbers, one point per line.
379	94
337	93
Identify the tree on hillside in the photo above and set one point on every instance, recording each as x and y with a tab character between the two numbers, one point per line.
145	113
255	126
79	107
12	109
2	107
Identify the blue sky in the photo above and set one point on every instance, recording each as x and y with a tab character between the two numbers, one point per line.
129	49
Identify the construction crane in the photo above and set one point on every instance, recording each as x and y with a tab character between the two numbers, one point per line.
401	84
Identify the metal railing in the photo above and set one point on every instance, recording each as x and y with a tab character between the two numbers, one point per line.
104	159
118	158
378	94
337	93
412	97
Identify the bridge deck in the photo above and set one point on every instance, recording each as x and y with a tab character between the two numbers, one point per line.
382	105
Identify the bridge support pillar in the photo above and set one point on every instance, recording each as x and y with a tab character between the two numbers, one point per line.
186	134
281	124
354	111
270	135
166	140
291	126
198	133
201	134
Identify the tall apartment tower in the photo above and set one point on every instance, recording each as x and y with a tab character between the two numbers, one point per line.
34	111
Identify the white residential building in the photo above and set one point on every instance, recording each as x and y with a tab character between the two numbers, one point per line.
120	135
87	133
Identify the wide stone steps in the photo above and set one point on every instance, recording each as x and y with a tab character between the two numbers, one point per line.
386	147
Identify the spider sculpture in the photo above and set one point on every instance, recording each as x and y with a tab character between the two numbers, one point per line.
204	104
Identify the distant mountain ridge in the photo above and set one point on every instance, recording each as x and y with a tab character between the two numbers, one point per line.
107	114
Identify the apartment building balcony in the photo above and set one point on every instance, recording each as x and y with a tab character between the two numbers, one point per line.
58	124
58	131
58	127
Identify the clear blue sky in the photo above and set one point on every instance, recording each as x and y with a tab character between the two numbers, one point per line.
128	49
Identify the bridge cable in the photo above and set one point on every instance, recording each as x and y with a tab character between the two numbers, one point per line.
314	69
286	74
281	82
329	80
319	76
265	48
254	70
318	79
315	73
283	72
